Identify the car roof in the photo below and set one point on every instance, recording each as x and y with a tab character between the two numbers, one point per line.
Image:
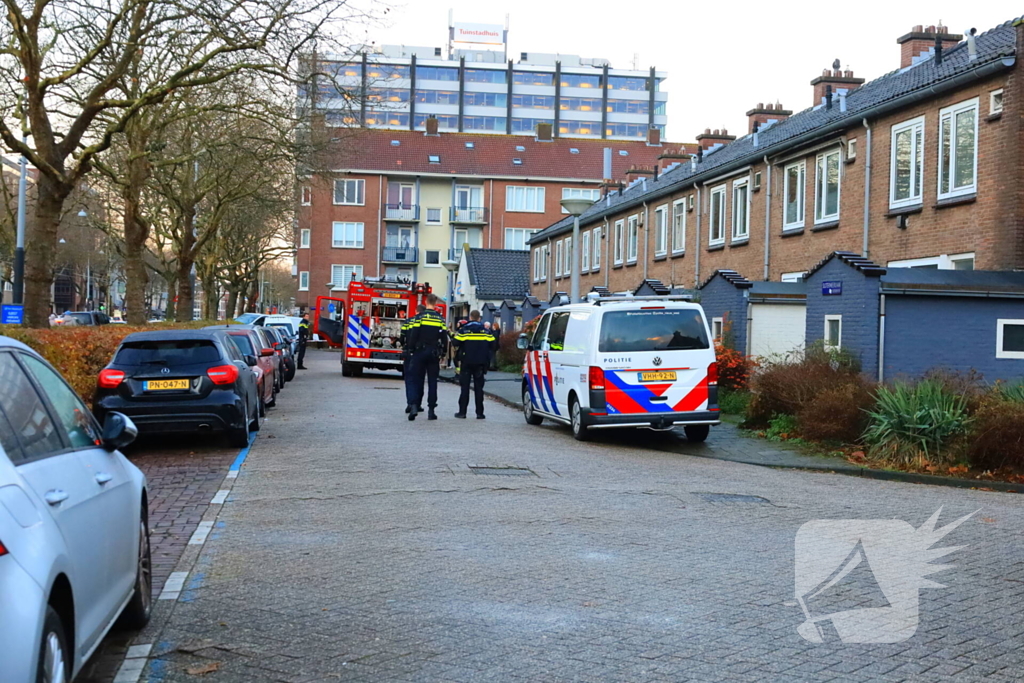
8	343
628	305
170	335
231	327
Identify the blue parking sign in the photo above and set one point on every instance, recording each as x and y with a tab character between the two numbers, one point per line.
330	307
12	314
832	288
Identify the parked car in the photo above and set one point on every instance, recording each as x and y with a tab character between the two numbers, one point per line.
284	349
251	343
82	318
74	529
184	381
622	362
289	323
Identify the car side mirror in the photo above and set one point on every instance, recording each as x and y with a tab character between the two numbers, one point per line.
266	352
250	361
522	343
118	431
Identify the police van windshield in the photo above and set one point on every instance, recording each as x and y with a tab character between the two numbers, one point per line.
652	330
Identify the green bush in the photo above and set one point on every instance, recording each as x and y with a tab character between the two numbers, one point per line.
916	424
838	413
997	431
781	427
733	402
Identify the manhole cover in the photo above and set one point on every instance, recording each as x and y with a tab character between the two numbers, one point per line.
504	470
731	498
388	388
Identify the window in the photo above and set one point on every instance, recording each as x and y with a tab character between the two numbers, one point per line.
433	158
515	238
740	210
690	202
348	236
26	413
536	264
679	226
545	257
436	73
795	184
304	281
851	150
717	326
757	181
578	81
618	242
486	76
716	219
520	198
349	192
596	261
344	274
304	238
433	216
826	187
941	262
632	238
907	163
558	258
1009	338
437	96
433	257
580	193
556	334
307	195
567	269
585	252
660	230
795	276
533	78
833	331
79	425
484	99
962	262
652	330
958	149
995	102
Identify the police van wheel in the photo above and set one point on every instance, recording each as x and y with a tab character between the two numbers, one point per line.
697	433
579	430
531	417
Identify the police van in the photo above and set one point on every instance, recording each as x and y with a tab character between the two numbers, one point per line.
617	362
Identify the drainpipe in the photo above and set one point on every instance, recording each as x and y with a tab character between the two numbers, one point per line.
380	220
696	261
767	217
750	323
647	236
881	339
549	270
605	262
490	214
867	193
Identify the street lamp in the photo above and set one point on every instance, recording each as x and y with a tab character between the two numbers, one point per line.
575	206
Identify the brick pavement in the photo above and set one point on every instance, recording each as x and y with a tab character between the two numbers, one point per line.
364	548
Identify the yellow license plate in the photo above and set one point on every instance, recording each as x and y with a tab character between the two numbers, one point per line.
166	384
664	376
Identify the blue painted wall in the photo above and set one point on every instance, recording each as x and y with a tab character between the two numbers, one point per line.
957	333
720	299
858	304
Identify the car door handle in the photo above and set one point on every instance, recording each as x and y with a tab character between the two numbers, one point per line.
55	496
102	478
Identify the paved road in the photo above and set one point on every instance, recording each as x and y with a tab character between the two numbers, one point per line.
358	546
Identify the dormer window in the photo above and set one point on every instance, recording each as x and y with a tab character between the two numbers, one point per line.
434	158
517	161
395	143
470	145
520	148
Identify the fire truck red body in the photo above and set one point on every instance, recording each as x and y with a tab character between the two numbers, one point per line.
366	322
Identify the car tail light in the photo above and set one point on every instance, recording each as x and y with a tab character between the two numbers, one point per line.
266	352
713	374
3	550
111	379
223	374
596	377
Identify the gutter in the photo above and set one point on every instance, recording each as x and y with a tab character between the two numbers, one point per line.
979	294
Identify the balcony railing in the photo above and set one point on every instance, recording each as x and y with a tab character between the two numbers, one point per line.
472	214
400	255
401	212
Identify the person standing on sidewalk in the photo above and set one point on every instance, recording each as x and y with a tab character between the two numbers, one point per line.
474	345
403	339
496	331
427	339
303	339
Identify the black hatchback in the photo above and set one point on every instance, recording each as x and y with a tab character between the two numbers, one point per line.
181	381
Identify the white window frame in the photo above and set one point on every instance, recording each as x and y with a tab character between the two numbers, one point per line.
304	237
737	185
950	114
427	264
679	226
303	278
567	267
595	262
839	344
535	258
795	276
440	217
357	243
717	329
661	230
558	258
915	126
632	238
306	195
525	192
619	251
720	218
943	261
821	185
992	107
526	233
851	149
356	274
592	194
801	202
585	252
360	190
545	257
1000	324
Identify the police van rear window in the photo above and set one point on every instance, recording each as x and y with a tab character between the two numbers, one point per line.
170	353
652	330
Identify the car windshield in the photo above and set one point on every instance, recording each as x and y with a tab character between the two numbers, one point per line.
80	318
170	353
652	330
244	344
286	328
247	318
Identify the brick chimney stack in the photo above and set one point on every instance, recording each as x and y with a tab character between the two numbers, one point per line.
921	40
837	78
672	156
636	172
762	114
709	138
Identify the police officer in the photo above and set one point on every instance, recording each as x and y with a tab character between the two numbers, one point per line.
403	340
304	331
426	339
474	344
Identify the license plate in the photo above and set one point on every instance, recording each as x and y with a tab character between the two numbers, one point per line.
663	376
166	384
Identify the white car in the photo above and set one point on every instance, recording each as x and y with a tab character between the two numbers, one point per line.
622	362
74	536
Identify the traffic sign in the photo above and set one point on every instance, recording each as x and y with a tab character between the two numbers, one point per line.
12	314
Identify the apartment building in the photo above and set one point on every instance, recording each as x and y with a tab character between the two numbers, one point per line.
921	167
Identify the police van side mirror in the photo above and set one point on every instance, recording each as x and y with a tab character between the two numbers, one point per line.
522	343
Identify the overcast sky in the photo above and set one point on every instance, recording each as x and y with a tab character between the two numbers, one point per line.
722	56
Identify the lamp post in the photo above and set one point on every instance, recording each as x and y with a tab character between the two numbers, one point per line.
452	266
576	207
19	249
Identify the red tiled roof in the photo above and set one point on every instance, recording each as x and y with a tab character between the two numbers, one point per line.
491	155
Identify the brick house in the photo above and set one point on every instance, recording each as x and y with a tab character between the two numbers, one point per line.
921	167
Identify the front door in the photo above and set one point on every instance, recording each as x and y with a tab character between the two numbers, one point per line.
402	236
400	195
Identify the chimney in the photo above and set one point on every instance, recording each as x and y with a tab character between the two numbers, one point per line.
431	125
637	172
762	114
921	40
709	138
672	156
837	79
653	136
544	131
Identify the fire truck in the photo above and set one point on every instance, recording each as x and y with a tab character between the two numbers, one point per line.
366	322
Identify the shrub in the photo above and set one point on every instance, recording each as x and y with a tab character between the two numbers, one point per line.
732	401
838	413
781	427
916	425
997	431
508	354
733	368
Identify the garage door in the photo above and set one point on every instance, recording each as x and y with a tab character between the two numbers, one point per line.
776	328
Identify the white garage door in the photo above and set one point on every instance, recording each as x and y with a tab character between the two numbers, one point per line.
776	328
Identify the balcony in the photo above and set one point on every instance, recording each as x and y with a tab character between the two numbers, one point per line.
402	212
400	255
472	214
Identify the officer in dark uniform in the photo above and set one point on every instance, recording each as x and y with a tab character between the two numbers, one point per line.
304	334
474	345
403	339
426	339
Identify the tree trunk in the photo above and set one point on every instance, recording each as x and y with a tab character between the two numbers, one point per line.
184	285
171	312
136	228
211	297
232	303
40	256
